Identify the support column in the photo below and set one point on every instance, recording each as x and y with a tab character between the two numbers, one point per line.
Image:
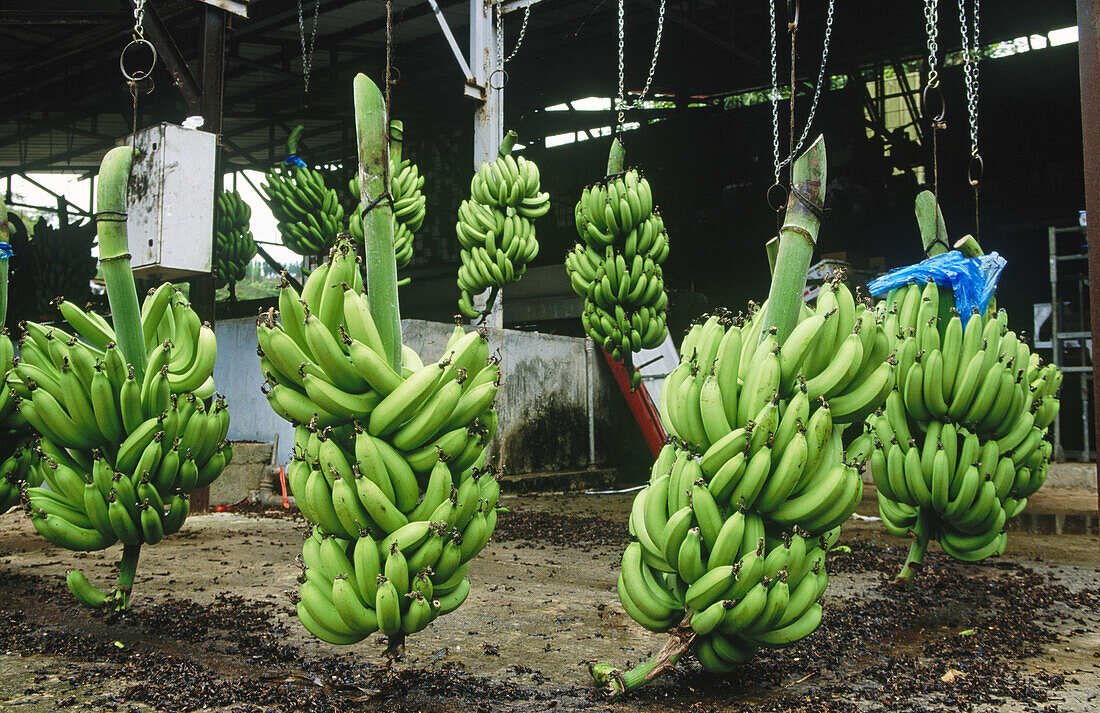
210	105
489	116
1088	49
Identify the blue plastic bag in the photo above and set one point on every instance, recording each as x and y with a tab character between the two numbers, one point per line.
293	160
5	251
972	279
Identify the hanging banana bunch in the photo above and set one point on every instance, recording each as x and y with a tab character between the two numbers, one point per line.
408	201
17	452
235	246
17	471
388	466
126	429
62	262
496	224
960	445
309	213
747	498
389	452
616	267
17	456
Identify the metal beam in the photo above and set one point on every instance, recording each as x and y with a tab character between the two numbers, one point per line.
53	193
910	103
55	17
451	41
488	117
507	6
170	53
707	35
1088	52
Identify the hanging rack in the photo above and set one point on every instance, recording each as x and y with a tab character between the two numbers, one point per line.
620	101
776	201
498	14
971	50
307	56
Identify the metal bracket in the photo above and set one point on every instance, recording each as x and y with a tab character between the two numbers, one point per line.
508	6
474	90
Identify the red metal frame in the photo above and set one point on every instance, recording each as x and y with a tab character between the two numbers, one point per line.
641	406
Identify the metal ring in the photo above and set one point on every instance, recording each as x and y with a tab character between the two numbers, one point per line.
975	170
925	94
781	203
138	75
504	78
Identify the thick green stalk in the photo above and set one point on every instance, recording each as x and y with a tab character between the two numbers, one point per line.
616	158
933	229
114	254
619	681
797	240
913	562
127	569
969	247
371	134
5	237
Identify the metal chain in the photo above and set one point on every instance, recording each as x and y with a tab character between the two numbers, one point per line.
501	60
971	55
139	20
931	27
775	91
623	107
307	57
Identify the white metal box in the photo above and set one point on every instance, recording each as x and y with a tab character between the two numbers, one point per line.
170	211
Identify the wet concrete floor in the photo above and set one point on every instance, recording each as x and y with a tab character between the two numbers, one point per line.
211	627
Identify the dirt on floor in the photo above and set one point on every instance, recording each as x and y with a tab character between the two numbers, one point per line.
212	628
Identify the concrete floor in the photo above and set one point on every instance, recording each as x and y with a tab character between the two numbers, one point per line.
539	609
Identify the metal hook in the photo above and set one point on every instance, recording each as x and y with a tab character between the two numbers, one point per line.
797	4
503	78
932	90
777	201
975	169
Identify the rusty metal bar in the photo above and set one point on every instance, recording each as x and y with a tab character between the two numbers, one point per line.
1088	50
212	23
170	54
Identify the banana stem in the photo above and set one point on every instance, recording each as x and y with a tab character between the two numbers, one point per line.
933	229
395	647
372	137
127	569
616	158
913	562
620	682
114	174
969	247
5	254
797	240
507	143
772	249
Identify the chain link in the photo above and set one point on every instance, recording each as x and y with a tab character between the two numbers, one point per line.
775	90
621	102
501	60
971	55
307	57
139	20
931	27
